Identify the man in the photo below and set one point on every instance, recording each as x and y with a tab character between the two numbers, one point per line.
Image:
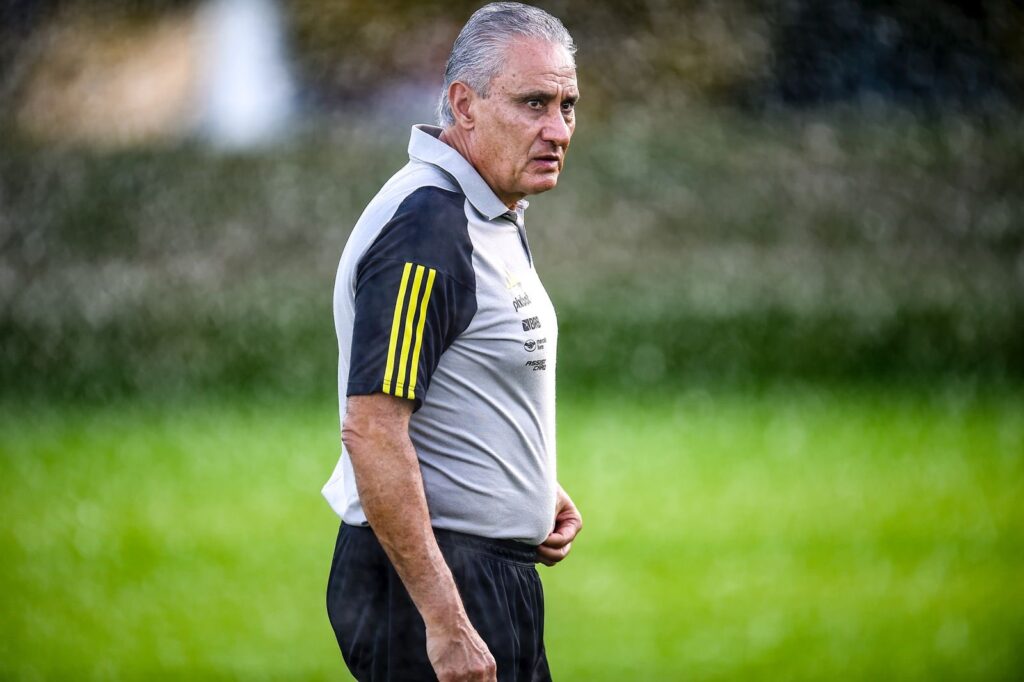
446	483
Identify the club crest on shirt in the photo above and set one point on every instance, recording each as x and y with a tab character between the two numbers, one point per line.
511	281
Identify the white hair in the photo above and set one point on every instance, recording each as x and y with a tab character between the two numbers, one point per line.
479	52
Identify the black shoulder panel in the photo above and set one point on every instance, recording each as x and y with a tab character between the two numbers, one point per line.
430	228
415	294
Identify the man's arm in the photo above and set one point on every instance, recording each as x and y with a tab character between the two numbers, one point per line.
376	435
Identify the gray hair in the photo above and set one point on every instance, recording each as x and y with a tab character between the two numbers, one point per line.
479	52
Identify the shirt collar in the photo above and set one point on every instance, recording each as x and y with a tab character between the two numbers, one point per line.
425	146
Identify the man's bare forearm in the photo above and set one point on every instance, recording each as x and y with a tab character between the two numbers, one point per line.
391	492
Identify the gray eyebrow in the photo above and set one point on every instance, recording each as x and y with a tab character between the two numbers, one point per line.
543	95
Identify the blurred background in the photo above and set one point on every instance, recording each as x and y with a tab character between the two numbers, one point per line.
787	254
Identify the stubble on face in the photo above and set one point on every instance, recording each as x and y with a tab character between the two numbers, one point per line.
523	126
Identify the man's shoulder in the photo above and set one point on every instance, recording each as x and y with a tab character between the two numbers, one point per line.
413	179
420	216
430	211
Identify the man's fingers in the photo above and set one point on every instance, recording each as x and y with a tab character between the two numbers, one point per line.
564	533
549	556
555	541
569	527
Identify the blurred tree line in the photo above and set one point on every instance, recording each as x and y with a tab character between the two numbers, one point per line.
718	218
711	247
754	53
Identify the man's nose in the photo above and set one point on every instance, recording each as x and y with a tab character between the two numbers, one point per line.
556	129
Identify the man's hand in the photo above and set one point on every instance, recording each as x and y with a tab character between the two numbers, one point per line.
568	523
460	655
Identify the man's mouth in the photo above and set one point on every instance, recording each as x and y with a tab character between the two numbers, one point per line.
549	161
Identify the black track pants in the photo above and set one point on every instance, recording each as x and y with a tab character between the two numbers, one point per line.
381	634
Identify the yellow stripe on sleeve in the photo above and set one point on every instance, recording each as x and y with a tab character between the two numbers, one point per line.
396	324
419	333
403	358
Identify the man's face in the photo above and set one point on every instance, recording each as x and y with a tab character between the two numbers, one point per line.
522	128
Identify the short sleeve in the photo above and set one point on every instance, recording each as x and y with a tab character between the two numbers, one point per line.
411	299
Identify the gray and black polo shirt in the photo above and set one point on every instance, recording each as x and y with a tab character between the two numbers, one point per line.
437	301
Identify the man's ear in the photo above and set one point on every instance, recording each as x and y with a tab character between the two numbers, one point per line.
461	98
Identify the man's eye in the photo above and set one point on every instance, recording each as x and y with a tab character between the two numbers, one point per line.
568	106
534	104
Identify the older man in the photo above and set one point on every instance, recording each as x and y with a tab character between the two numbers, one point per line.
446	483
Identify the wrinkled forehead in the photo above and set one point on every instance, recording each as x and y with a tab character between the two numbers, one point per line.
530	61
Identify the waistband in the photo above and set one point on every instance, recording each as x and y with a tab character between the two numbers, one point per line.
508	550
504	550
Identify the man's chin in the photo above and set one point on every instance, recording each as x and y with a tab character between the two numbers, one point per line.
543	183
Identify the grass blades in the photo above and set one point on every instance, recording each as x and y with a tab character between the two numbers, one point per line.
785	533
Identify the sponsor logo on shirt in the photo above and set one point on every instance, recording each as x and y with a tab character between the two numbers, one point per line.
521	301
537	365
535	344
531	323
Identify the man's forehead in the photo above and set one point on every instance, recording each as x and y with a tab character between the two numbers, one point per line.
532	62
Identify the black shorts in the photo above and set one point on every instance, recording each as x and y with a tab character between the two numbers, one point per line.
381	634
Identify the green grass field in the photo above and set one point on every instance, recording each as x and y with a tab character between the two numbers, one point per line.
802	533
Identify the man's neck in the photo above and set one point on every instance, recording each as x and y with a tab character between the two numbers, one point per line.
455	138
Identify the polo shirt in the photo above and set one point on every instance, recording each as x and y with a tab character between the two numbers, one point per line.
437	301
